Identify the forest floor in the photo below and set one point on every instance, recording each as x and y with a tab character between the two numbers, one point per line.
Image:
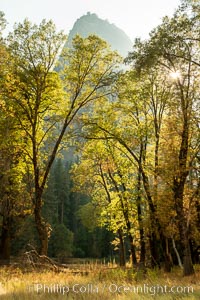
104	284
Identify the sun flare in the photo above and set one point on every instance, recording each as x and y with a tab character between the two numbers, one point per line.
175	74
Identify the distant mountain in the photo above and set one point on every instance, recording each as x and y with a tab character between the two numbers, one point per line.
92	24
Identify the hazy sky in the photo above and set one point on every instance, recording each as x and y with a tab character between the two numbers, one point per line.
136	17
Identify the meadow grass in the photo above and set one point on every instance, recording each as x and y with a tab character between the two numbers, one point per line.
105	284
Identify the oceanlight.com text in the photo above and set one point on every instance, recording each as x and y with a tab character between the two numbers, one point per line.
109	288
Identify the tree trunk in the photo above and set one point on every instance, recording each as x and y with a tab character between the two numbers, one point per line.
155	261
184	235
41	226
178	189
122	260
132	249
125	211
183	227
142	247
185	243
142	237
177	254
141	229
5	242
155	229
167	256
187	260
42	230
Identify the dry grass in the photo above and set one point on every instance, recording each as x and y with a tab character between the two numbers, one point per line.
19	285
